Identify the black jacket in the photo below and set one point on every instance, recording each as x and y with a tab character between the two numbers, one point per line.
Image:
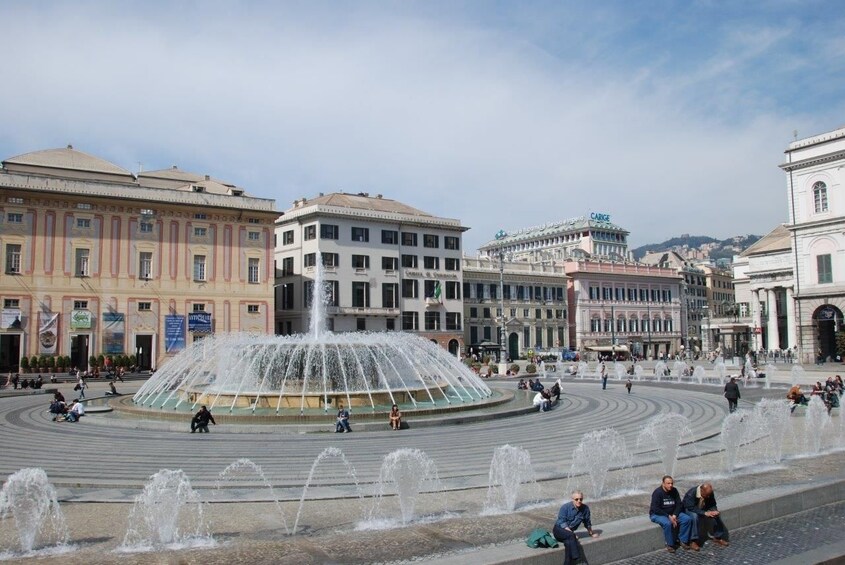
732	391
666	503
203	417
693	504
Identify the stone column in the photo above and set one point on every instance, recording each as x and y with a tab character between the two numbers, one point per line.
756	318
773	339
791	321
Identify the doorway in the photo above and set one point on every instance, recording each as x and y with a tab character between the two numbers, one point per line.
144	352
513	346
828	319
10	353
79	351
454	347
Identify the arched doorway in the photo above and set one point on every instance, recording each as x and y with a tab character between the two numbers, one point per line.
828	320
454	347
513	346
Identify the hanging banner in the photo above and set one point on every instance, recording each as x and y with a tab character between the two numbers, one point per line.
80	319
174	333
199	322
113	333
10	318
48	332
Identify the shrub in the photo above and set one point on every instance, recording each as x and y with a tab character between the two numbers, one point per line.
51	362
494	368
476	366
92	361
132	361
101	361
24	363
485	360
531	368
68	362
33	362
514	369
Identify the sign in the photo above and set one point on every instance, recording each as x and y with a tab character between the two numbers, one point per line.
174	333
113	333
600	217
11	318
48	333
80	319
758	330
199	322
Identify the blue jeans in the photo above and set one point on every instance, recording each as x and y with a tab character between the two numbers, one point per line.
684	525
719	529
342	425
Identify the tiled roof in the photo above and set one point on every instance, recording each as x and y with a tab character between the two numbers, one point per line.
67	158
779	239
363	201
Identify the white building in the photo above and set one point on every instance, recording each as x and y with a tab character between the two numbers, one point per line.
388	267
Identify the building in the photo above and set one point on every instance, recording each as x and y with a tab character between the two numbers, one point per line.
579	238
616	306
534	299
99	261
388	266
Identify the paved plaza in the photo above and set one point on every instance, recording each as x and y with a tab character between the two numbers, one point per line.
101	463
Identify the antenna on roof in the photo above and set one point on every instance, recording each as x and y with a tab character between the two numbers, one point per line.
140	167
795	134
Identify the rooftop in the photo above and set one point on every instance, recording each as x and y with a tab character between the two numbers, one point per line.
779	239
552	229
67	158
361	201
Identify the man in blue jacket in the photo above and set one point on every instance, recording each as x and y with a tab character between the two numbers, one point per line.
667	510
571	515
700	504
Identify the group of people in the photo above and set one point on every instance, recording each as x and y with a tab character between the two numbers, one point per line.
682	520
62	412
16	381
545	397
830	393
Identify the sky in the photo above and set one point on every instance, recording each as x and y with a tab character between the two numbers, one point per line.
672	117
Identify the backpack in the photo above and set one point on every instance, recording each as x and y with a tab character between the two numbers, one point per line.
541	538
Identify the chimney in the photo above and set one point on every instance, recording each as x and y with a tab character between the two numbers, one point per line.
69	146
379	196
174	167
207	177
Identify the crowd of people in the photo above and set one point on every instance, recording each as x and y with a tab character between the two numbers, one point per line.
830	393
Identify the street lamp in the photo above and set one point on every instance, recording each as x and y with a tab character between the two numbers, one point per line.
500	235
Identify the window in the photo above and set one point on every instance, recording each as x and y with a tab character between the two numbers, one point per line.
451	242
252	309
486	333
390	263
253	236
360	234
332	292
83	223
360	261
494	291
307	293
409	239
309	260
361	324
198	306
331	260
410	320
14	200
14	218
145	306
485	313
287	237
287	266
432	320
473	312
473	334
410	288
145	265
287	296
633	325
200	216
82	262
329	231
253	265
391	324
825	269
538	313
389	295
820	197
80	304
452	264
13	258
431	262
200	232
409	261
361	294
146	227
389	237
430	288
11	303
453	290
199	267
431	241
310	232
253	220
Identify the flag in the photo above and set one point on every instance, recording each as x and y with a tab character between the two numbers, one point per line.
437	290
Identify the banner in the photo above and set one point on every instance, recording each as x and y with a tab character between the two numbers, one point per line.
48	333
11	318
113	333
174	333
199	322
80	319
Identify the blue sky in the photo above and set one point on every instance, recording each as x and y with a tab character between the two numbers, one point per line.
670	116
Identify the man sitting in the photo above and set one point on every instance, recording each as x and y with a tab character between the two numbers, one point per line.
77	410
796	397
542	402
700	505
342	425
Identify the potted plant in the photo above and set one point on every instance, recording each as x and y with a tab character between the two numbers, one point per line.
101	361
92	362
24	364
514	369
60	364
133	361
531	368
33	363
51	364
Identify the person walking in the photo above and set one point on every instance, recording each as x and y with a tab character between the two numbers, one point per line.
201	419
732	394
603	376
628	385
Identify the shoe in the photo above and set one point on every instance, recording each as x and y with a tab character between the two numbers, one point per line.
193	431
670	549
694	545
684	545
723	543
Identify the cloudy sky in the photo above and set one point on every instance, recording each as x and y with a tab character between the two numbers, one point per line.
670	116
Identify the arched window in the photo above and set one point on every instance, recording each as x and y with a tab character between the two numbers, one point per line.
620	324
656	325
667	324
633	325
595	325
820	197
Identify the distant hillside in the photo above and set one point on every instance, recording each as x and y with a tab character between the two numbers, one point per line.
700	246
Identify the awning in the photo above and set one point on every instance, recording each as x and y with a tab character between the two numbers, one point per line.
609	348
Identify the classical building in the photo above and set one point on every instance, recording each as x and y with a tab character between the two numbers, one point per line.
579	238
622	306
388	266
98	260
534	299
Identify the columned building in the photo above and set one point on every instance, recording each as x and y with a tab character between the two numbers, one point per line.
617	306
99	261
388	267
534	298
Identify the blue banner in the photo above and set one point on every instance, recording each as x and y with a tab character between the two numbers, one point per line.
199	322
174	334
113	333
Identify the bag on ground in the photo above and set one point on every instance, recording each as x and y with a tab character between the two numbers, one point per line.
541	538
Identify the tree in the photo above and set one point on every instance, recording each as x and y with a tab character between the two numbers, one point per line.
840	344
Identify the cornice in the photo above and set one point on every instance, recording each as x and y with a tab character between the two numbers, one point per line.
818	160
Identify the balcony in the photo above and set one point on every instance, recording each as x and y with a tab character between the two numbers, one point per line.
362	311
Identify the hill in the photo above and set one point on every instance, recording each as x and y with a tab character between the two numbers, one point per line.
699	246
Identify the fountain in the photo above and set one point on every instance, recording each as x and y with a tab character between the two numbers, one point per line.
597	454
678	368
772	417
796	375
264	374
411	472
335	453
168	513
30	499
583	368
733	436
246	468
660	370
698	375
816	420
638	372
510	468
619	371
666	432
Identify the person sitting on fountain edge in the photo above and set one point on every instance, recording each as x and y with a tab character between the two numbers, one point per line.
395	418
201	419
667	510
342	420
700	504
569	517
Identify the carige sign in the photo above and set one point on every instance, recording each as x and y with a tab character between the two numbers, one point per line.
600	217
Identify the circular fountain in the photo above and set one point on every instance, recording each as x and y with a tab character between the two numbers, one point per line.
265	374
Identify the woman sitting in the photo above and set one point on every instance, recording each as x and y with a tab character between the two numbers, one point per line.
395	418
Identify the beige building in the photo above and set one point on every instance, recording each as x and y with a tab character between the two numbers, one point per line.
98	260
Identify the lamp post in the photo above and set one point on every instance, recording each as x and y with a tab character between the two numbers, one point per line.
706	316
503	367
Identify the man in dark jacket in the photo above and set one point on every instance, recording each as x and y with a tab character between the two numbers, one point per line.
667	510
700	504
201	419
732	394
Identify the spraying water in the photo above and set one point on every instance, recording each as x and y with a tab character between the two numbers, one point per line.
410	472
772	417
596	454
333	453
665	433
816	420
30	499
245	467
510	468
